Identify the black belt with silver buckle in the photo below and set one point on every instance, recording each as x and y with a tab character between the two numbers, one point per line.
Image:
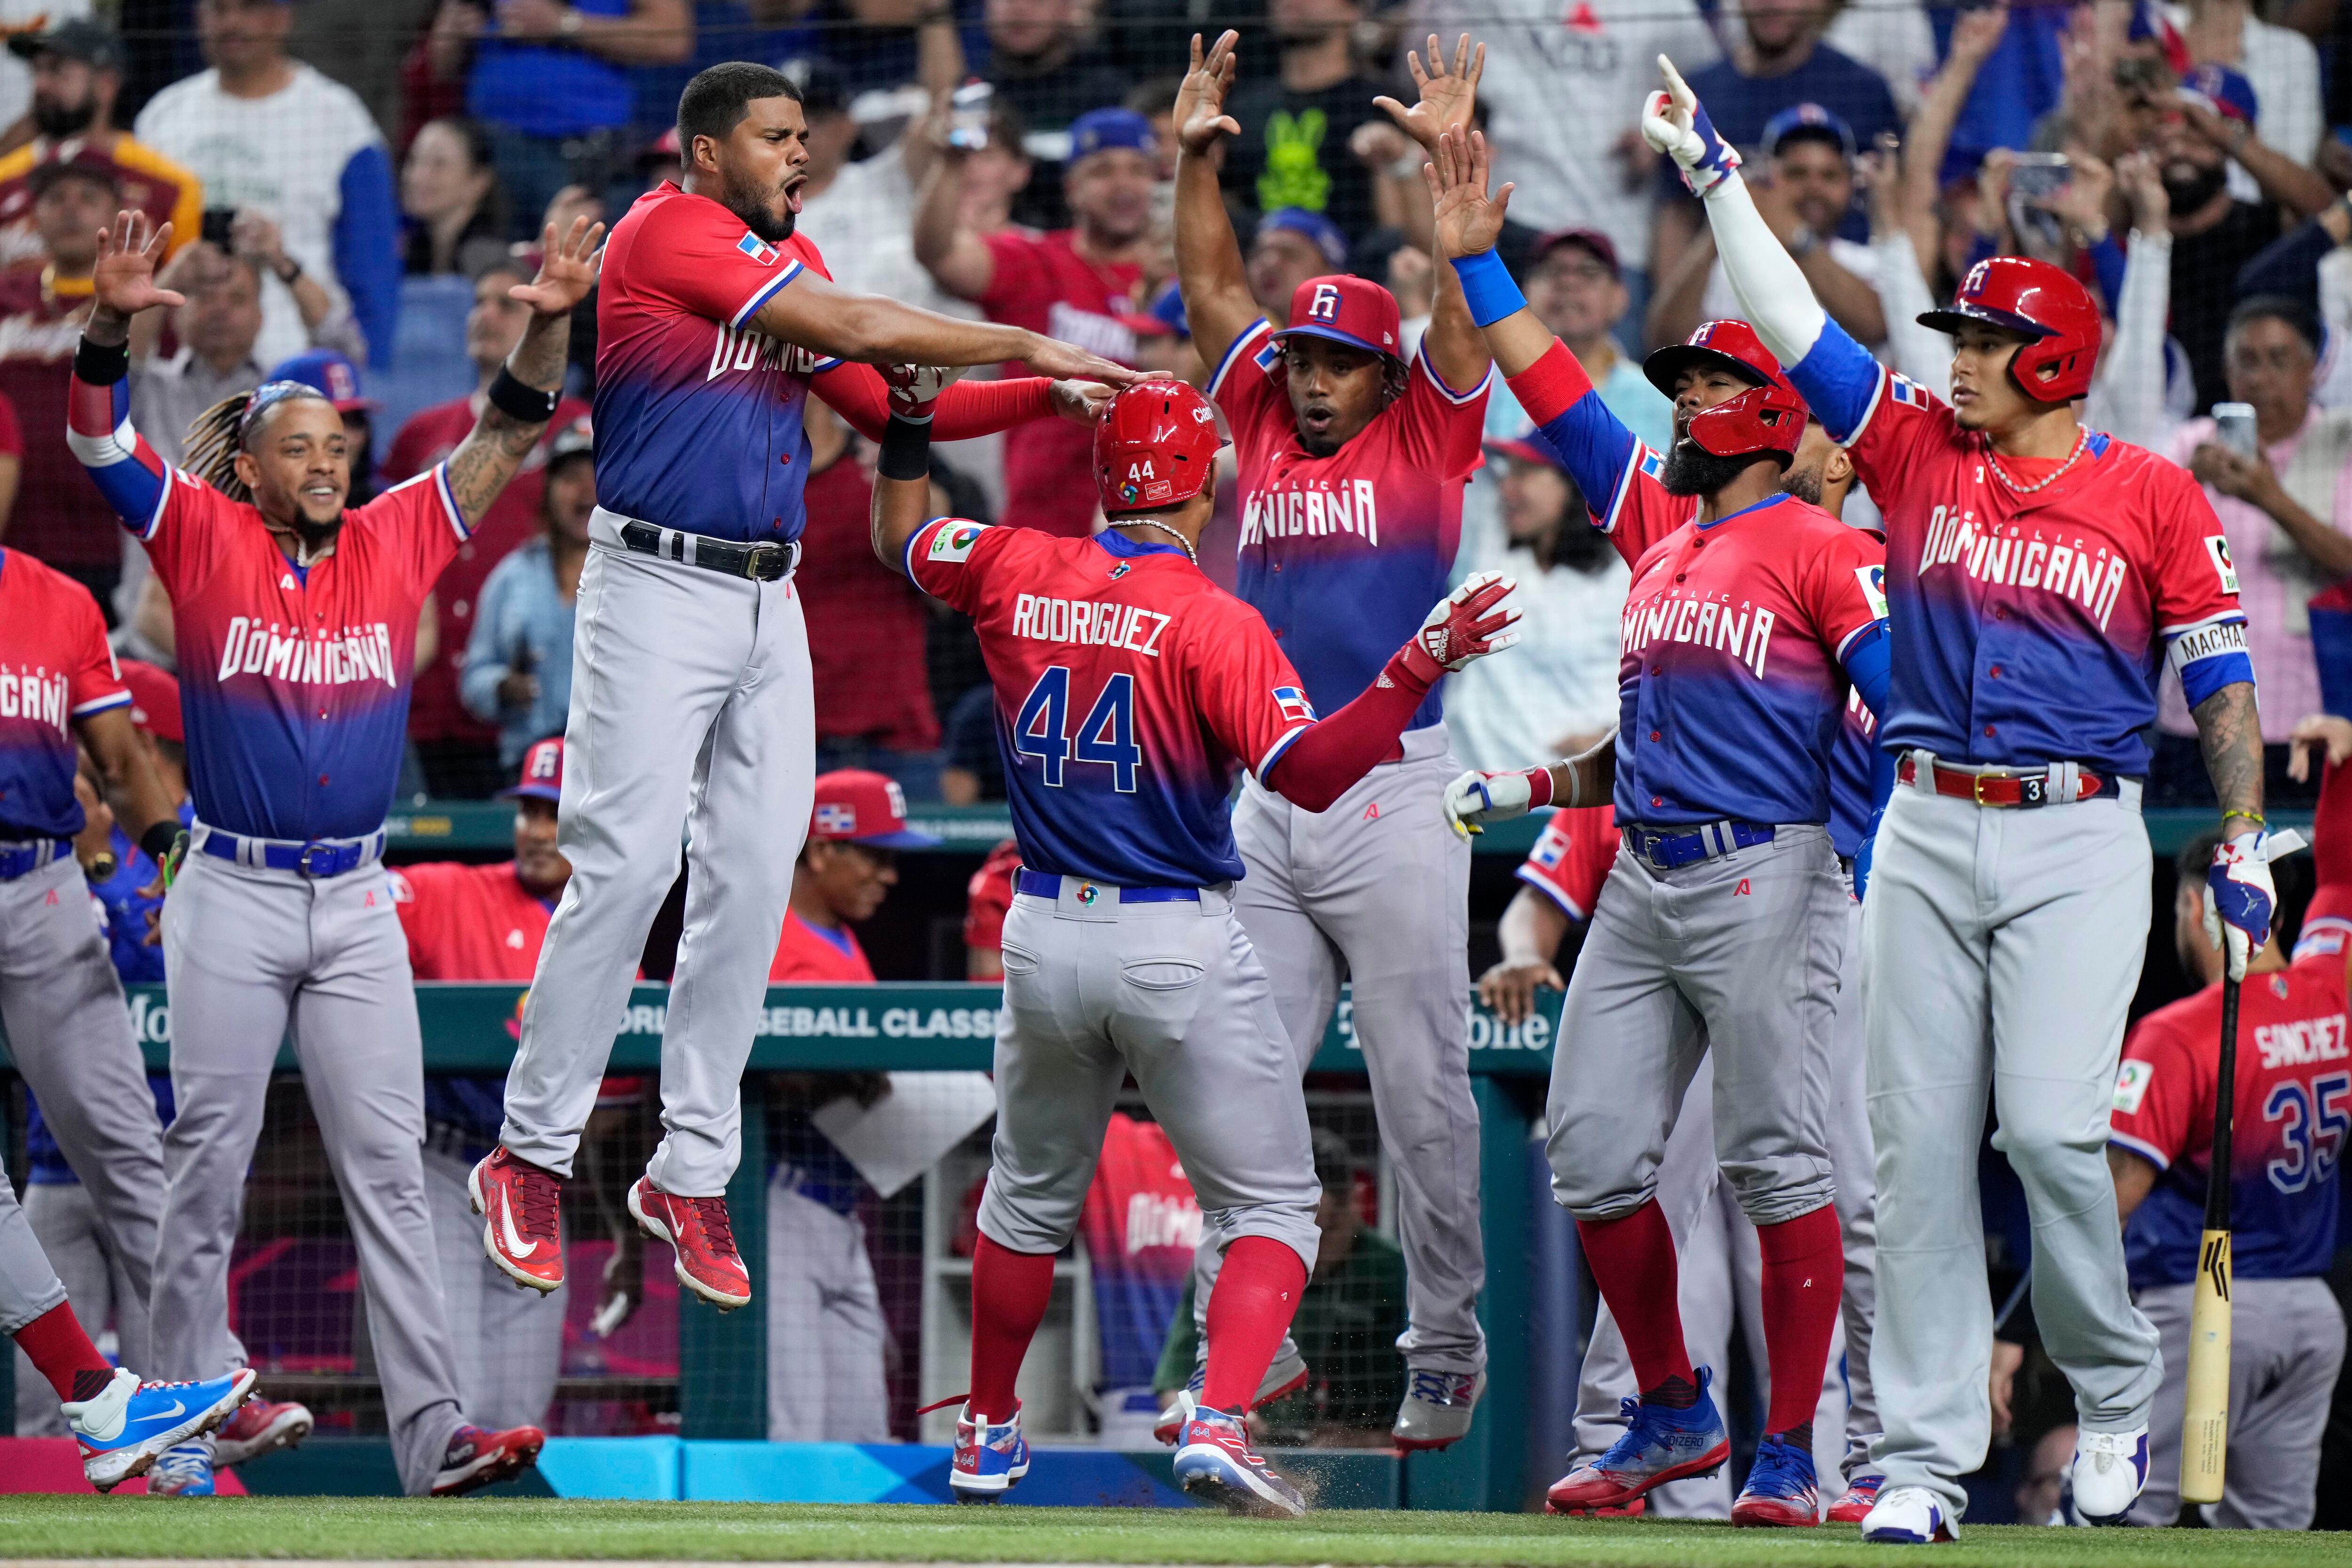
766	561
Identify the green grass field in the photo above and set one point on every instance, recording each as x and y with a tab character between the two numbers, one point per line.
49	1527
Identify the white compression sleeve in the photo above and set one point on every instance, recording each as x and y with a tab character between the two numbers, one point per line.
1778	301
2127	400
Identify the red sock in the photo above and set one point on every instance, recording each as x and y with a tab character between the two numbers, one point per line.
1804	1271
1249	1312
1633	1261
1009	1292
55	1344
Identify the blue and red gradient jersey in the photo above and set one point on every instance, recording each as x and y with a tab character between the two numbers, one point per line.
293	680
698	411
1853	761
1344	554
2029	629
1732	689
1128	687
54	668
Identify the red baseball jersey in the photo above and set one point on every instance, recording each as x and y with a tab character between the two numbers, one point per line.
810	956
54	668
988	897
698	411
1344	554
1572	858
469	922
1128	687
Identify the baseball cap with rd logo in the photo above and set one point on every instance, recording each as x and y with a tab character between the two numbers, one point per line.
855	806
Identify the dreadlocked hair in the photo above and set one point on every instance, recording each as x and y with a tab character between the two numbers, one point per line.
217	435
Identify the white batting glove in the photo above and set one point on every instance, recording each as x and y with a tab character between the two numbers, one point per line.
2241	898
1476	798
1673	123
915	388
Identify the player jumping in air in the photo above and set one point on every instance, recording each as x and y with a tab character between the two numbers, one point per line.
2039	574
1128	687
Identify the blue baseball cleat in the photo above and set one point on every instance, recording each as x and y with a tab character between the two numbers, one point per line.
132	1424
1215	1461
1659	1445
185	1470
1780	1488
990	1457
2105	1478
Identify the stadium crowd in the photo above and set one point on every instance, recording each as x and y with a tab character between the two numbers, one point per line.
353	191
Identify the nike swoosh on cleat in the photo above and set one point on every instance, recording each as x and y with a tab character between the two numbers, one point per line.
177	1410
512	1238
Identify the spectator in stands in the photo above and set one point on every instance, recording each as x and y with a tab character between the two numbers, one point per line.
2279	61
2287	513
453	210
1293	149
59	515
2213	234
458	753
551	79
216	329
856	213
517	666
359	43
1779	61
2220	105
1562	694
988	898
1290	247
1039	63
77	76
1074	283
269	134
1576	287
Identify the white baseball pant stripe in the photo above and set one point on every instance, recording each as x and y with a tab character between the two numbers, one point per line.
1173	993
70	1035
248	951
692	708
828	1342
1376	890
507	1341
2000	949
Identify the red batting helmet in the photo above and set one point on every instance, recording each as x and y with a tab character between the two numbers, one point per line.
1769	417
2046	305
1155	447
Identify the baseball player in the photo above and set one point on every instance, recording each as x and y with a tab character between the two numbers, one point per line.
846	869
2294	1100
296	623
1352	463
2040	573
1127	686
1722	927
691	704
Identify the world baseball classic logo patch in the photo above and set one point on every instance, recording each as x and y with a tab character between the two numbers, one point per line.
954	542
1873	587
2217	549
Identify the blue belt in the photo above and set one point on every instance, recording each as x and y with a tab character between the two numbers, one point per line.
23	859
1671	851
1044	884
317	858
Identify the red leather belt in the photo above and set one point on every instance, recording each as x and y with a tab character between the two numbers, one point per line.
2023	789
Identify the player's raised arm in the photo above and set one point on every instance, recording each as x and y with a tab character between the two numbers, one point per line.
902	474
1218	305
522	398
1449	101
127	472
824	317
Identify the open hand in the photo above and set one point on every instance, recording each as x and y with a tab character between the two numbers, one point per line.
1448	98
1080	403
1058	360
566	272
1510	990
2323	733
124	278
1200	116
1976	33
2143	188
1468	220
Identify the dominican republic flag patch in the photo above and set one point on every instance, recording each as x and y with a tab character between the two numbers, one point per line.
1653	464
758	249
1907	391
1296	708
836	818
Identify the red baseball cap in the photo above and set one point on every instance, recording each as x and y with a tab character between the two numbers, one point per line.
1592	242
154	699
541	776
1352	310
855	806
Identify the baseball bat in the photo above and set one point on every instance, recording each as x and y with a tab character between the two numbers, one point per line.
2205	1432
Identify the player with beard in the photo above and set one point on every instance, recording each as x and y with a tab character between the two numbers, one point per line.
692	703
1722	927
76	77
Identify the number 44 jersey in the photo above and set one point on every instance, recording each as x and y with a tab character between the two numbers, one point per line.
1128	686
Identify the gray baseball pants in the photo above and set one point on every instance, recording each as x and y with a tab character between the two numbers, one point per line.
29	1285
70	1035
249	952
1376	890
828	1343
66	1223
692	708
2286	1346
507	1342
1172	993
2000	949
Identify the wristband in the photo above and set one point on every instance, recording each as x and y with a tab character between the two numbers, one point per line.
1486	285
906	450
1540	786
156	841
2256	818
518	399
100	364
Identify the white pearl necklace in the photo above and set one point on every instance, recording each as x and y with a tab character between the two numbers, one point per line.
1154	523
2082	445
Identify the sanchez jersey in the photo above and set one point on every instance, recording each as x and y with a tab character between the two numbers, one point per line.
1344	554
54	668
698	413
469	922
2028	628
293	680
1572	858
1127	686
2294	1110
810	956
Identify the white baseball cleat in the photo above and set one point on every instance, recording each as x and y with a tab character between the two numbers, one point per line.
1436	1408
1909	1516
2108	1471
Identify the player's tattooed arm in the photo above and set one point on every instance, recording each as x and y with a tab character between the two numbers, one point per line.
494	453
2230	733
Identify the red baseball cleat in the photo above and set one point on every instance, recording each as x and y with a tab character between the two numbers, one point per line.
1861	1497
478	1457
259	1427
698	1230
1633	1509
521	1205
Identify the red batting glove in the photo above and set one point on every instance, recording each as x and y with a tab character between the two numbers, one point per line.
915	388
1468	624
